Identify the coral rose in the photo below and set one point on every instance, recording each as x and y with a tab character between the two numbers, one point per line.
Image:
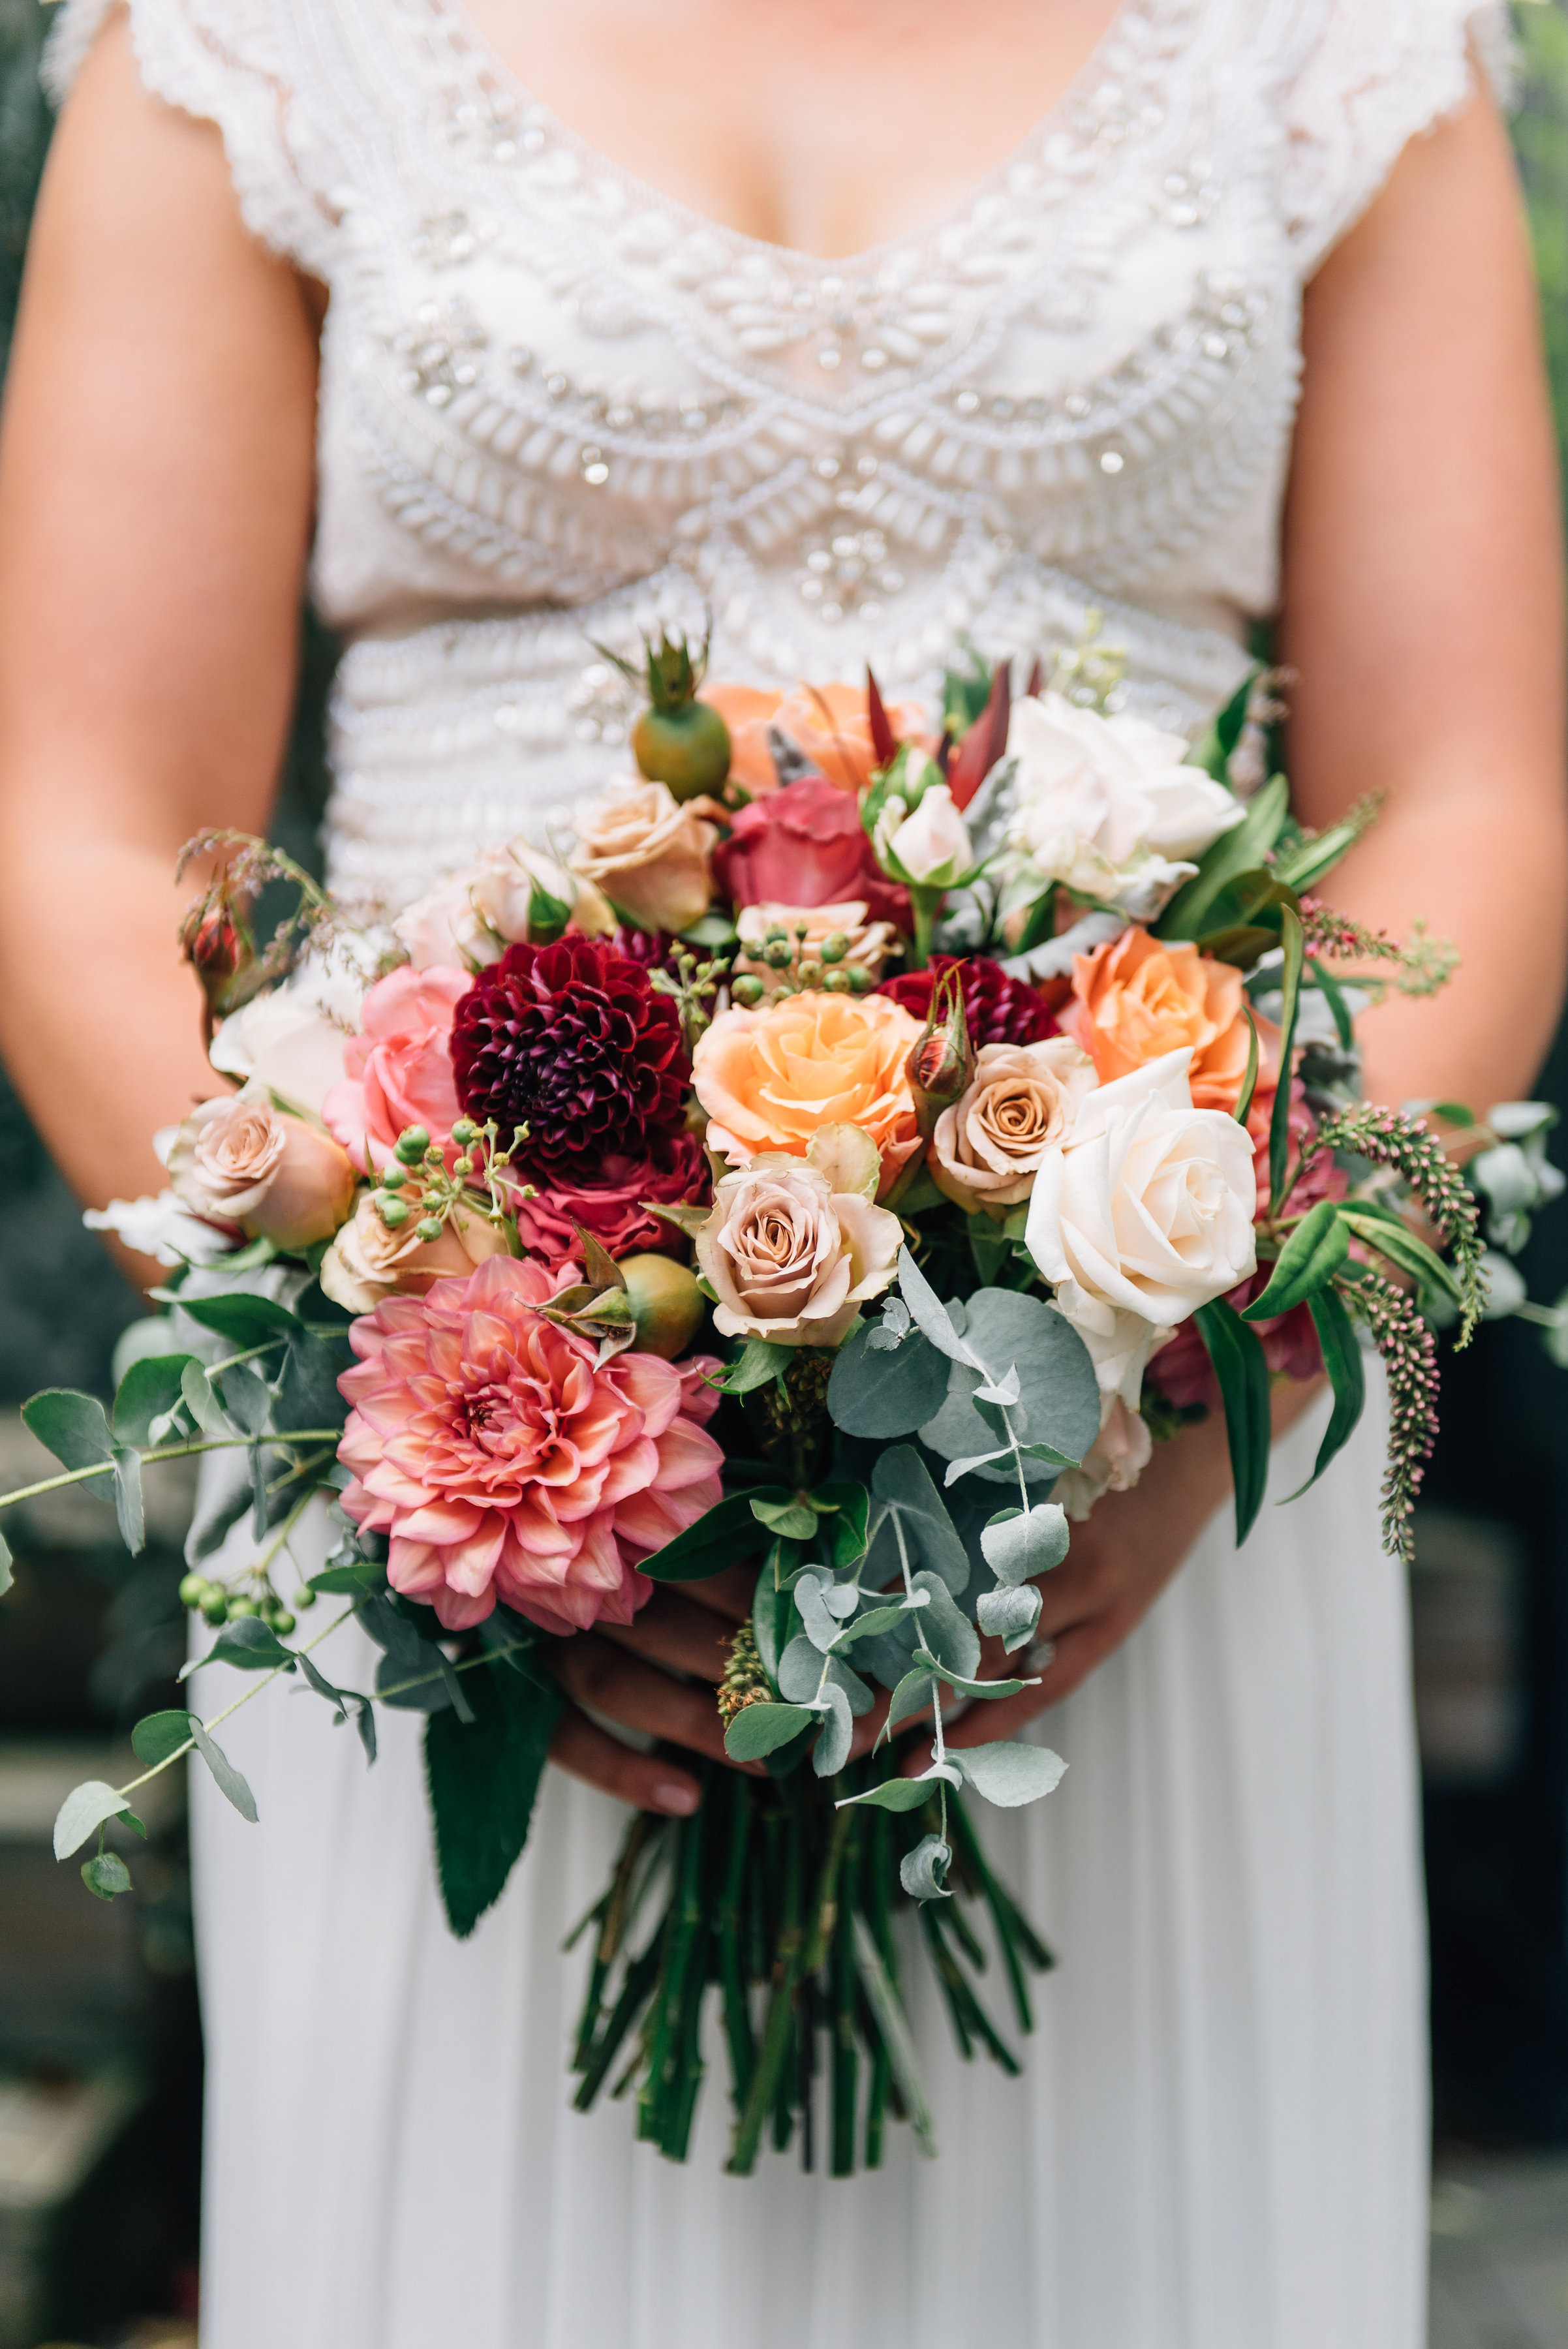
789	1258
1138	998
400	1067
611	1208
237	1160
804	846
769	1079
831	727
503	1462
368	1262
1022	1100
648	855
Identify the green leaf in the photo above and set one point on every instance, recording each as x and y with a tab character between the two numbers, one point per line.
757	1364
128	1507
339	1580
251	1644
912	1696
1059	1408
947	1629
1454	1112
724	1536
1243	1376
1307	1262
308	1392
761	1729
1214	751
972	1688
922	1871
1240	850
1010	1774
245	1320
1293	938
149	1391
894	1795
86	1807
157	1735
865	1626
793	1519
1017	1547
901	1477
106	1874
196	1394
844	1507
483	1778
1250	1082
1399	1244
6	1577
1009	1615
1301	866
1347	1373
879	1395
1333	994
75	1427
228	1779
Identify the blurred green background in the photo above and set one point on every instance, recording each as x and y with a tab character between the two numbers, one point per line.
99	2044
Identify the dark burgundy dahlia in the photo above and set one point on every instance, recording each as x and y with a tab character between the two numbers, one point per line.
572	1041
999	1010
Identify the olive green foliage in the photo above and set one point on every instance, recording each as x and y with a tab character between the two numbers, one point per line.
1540	140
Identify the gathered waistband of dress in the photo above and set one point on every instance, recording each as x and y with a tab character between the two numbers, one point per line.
466	731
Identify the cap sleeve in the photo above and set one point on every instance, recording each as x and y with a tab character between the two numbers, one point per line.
223	61
1365	77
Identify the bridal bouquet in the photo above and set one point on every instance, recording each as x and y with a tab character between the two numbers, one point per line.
849	1155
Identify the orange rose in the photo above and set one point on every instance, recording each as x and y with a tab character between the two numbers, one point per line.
1138	997
770	1079
829	723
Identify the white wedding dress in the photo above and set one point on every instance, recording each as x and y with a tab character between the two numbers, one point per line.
556	406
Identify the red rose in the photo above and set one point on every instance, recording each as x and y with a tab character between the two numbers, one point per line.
611	1208
804	846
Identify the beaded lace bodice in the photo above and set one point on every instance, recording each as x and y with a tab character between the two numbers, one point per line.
556	406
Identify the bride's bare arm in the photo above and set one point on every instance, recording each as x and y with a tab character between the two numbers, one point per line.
155	498
1423	617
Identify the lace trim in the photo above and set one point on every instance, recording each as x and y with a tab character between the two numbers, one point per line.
223	61
1368	77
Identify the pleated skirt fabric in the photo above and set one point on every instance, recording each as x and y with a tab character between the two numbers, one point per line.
1220	2141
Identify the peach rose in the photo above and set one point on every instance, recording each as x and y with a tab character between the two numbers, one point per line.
400	1069
237	1160
830	727
1022	1102
648	855
870	943
769	1079
368	1262
790	1258
1138	998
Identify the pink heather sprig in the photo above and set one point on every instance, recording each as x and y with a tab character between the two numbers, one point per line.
1409	1352
1339	937
1389	1138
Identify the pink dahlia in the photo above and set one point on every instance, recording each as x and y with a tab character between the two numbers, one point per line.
503	1463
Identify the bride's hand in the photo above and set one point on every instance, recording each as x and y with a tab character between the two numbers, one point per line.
624	1674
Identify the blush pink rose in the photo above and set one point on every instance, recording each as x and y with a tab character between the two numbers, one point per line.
399	1069
503	1462
612	1208
804	846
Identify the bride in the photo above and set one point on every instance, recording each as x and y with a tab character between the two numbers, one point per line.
513	326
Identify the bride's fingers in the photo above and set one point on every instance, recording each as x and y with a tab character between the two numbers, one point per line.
649	1780
673	1631
605	1680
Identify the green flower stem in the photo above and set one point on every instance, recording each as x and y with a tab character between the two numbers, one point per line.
660	2089
640	1977
777	2027
880	1927
731	1968
846	2000
332	1435
245	1697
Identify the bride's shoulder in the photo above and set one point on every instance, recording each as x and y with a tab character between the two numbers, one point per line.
1352	82
237	64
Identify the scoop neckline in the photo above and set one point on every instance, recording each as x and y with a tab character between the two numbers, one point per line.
458	23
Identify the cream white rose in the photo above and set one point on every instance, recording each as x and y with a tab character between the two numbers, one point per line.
649	855
289	1041
1108	804
367	1262
789	1258
470	921
1144	1216
1022	1101
932	847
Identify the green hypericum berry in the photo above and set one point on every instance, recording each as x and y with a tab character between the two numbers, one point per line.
428	1227
240	1608
464	1132
860	980
462	1167
394	1213
194	1589
838	982
778	954
305	1597
281	1621
810	974
394	1178
747	989
215	1606
412	1144
834	947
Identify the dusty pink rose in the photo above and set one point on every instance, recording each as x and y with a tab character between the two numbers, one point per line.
804	846
612	1208
398	1070
501	1463
237	1160
1184	1374
1323	1179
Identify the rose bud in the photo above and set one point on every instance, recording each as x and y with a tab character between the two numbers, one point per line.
941	1063
666	1304
215	940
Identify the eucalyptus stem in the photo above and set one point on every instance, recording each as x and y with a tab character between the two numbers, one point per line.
332	1435
245	1697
